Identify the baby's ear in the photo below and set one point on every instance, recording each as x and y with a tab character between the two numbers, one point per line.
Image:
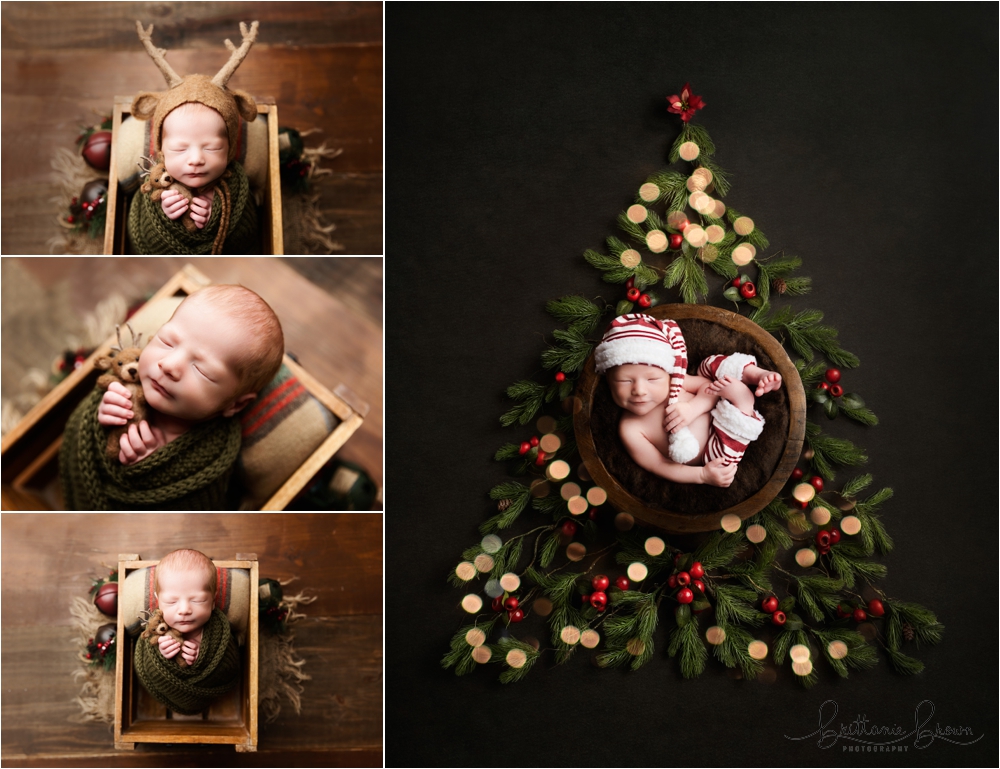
144	105
245	104
239	404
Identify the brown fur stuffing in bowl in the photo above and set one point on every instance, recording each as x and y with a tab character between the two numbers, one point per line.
703	338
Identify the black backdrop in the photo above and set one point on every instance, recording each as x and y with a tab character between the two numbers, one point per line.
861	137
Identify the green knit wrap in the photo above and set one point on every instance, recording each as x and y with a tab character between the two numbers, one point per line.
190	690
152	232
190	473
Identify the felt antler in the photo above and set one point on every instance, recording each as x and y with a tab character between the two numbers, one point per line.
157	55
237	55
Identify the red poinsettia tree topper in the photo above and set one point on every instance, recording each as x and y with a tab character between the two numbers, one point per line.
686	104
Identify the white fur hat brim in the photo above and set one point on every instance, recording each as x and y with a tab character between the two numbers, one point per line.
621	351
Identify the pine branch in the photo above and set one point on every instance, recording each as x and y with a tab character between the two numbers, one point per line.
856	485
573	353
691	132
926	628
500	651
693	284
873	531
613	270
828	451
673	191
518	494
735	605
720	177
531	395
549	550
807	335
686	640
579	313
904	664
719	550
632	229
460	655
734	650
507	451
814	592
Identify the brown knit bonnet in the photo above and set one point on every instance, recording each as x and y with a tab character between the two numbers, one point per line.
210	91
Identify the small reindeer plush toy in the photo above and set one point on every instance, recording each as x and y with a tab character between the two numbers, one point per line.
197	130
122	365
158	180
156	627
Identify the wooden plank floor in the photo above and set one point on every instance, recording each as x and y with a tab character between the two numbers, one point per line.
49	559
335	338
64	62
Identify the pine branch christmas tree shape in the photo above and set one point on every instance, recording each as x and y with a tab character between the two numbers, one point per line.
787	583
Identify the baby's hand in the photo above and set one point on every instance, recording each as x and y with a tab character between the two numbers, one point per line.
719	385
715	473
169	646
201	209
139	442
116	406
173	203
189	651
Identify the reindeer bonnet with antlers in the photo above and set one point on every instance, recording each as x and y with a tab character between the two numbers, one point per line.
210	91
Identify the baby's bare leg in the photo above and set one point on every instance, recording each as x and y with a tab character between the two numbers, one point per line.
762	380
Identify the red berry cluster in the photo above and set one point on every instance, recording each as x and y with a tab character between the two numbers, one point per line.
827	538
875	609
511	605
770	606
815	481
100	648
684	579
599	598
633	294
832	383
747	289
527	446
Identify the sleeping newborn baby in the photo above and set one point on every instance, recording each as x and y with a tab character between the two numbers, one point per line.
688	429
185	583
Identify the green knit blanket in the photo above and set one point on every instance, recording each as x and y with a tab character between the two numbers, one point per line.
190	690
191	472
152	232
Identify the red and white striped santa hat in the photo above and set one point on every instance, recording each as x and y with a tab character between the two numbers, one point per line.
640	338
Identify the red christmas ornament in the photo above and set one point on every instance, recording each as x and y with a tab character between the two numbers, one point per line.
645	301
683	578
834	536
698	584
600	582
107	599
875	607
622	583
525	448
770	605
833	375
534	441
569	528
778	618
823	539
697	570
560	377
633	294
859	615
748	290
97	150
511	603
676	239
599	600
515	616
684	595
797	474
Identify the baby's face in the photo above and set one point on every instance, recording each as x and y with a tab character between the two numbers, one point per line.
182	596
639	388
195	144
187	370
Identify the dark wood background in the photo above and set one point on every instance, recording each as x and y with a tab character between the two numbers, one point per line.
50	558
63	63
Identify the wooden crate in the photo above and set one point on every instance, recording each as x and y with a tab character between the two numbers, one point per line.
230	720
30	452
271	237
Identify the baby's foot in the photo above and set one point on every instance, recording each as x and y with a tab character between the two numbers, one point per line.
771	380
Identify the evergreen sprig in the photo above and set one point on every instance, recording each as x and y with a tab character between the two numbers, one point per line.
504	647
575	311
734	604
926	628
816	592
720	177
531	395
571	354
691	132
779	267
720	549
673	191
734	650
460	654
829	451
684	638
805	333
518	494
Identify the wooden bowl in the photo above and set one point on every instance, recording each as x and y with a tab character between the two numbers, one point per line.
792	413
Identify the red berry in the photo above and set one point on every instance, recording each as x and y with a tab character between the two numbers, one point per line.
859	615
88	656
778	618
822	386
697	570
797	474
683	578
70	218
600	582
645	301
875	607
736	282
834	536
748	290
630	283
560	377
841	612
599	600
676	240
584	600
823	539
540	459
833	375
525	448
569	528
816	482
515	616
592	514
633	294
622	583
836	391
511	603
534	441
801	505
672	581
770	605
698	584
684	595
